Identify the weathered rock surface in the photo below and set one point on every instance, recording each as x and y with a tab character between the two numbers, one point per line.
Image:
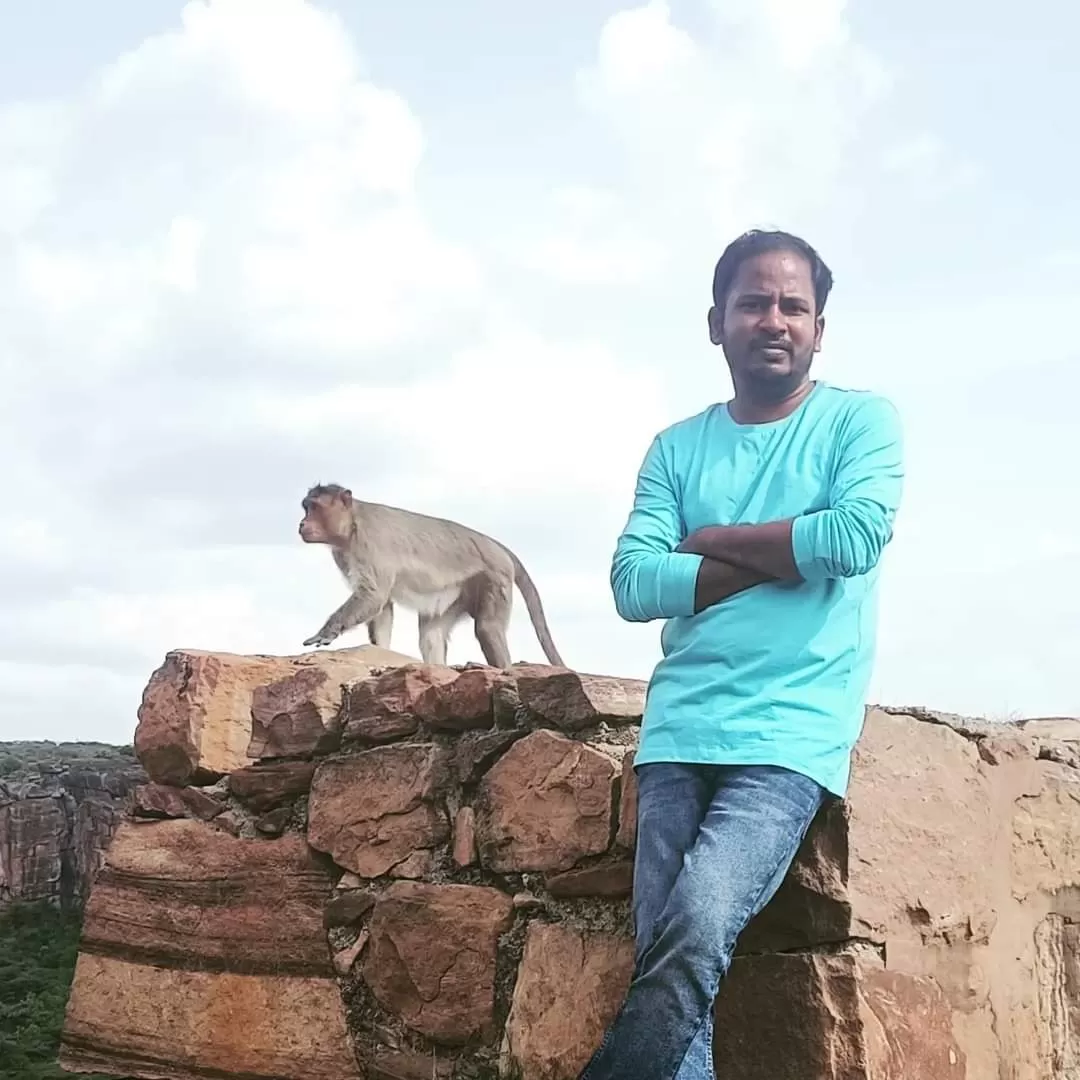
431	959
266	786
569	700
568	990
387	707
206	714
545	804
371	812
929	929
838	1016
203	955
464	703
162	801
54	831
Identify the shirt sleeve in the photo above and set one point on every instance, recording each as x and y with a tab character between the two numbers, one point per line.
649	579
847	539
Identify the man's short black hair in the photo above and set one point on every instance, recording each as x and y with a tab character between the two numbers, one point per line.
758	241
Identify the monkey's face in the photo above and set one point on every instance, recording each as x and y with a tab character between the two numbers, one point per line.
327	519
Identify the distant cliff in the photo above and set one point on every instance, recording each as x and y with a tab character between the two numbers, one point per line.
59	806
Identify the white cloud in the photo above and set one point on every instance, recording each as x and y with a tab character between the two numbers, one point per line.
751	122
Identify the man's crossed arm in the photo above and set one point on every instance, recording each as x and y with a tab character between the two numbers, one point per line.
656	574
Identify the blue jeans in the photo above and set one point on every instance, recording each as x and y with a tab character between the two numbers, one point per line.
714	843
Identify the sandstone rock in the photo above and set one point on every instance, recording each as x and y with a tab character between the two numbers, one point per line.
372	811
474	754
162	801
463	703
347	908
418	865
386	707
388	1064
465	837
545	804
205	955
199	717
1045	840
349	880
136	1020
848	881
274	822
570	700
626	837
54	831
345	958
431	960
267	786
613	880
569	987
839	1016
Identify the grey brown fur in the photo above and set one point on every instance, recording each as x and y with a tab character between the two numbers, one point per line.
443	570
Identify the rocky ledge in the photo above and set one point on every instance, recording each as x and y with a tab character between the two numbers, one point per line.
349	864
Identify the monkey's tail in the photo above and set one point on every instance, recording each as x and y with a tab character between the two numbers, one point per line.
536	611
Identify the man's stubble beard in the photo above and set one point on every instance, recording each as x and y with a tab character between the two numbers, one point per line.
770	389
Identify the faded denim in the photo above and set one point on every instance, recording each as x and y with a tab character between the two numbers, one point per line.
714	843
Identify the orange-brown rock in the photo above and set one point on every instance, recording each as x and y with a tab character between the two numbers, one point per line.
569	987
465	836
162	801
205	714
386	707
835	1016
203	955
372	811
544	805
463	703
627	834
570	700
612	879
268	785
388	1064
431	958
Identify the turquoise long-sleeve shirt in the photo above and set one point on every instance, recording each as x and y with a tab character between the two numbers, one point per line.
777	674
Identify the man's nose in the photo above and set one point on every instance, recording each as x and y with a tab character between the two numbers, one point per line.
772	319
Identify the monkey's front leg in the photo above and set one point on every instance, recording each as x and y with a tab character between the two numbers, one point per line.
361	607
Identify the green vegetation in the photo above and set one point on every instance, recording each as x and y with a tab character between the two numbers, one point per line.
37	959
19	760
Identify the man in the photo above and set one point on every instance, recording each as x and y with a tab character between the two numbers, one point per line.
756	531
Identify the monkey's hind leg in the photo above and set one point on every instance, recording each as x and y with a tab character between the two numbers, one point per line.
435	633
381	627
491	620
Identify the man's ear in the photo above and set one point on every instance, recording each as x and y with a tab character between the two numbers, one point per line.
819	330
716	326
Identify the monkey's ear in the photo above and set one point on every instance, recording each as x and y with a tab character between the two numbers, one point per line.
345	495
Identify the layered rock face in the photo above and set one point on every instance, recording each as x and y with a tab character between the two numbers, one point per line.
54	829
349	864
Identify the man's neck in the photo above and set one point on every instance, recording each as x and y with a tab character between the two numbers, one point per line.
748	408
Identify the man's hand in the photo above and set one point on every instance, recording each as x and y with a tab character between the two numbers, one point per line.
696	543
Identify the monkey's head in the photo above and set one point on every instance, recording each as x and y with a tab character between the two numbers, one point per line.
328	515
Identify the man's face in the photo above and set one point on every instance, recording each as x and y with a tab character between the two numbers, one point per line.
769	330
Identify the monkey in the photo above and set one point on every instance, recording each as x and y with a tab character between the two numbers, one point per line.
444	571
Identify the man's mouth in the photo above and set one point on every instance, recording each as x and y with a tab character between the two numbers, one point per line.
773	351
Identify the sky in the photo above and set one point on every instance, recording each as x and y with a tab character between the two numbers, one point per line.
458	258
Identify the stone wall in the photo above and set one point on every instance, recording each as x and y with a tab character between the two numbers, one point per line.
348	864
55	828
